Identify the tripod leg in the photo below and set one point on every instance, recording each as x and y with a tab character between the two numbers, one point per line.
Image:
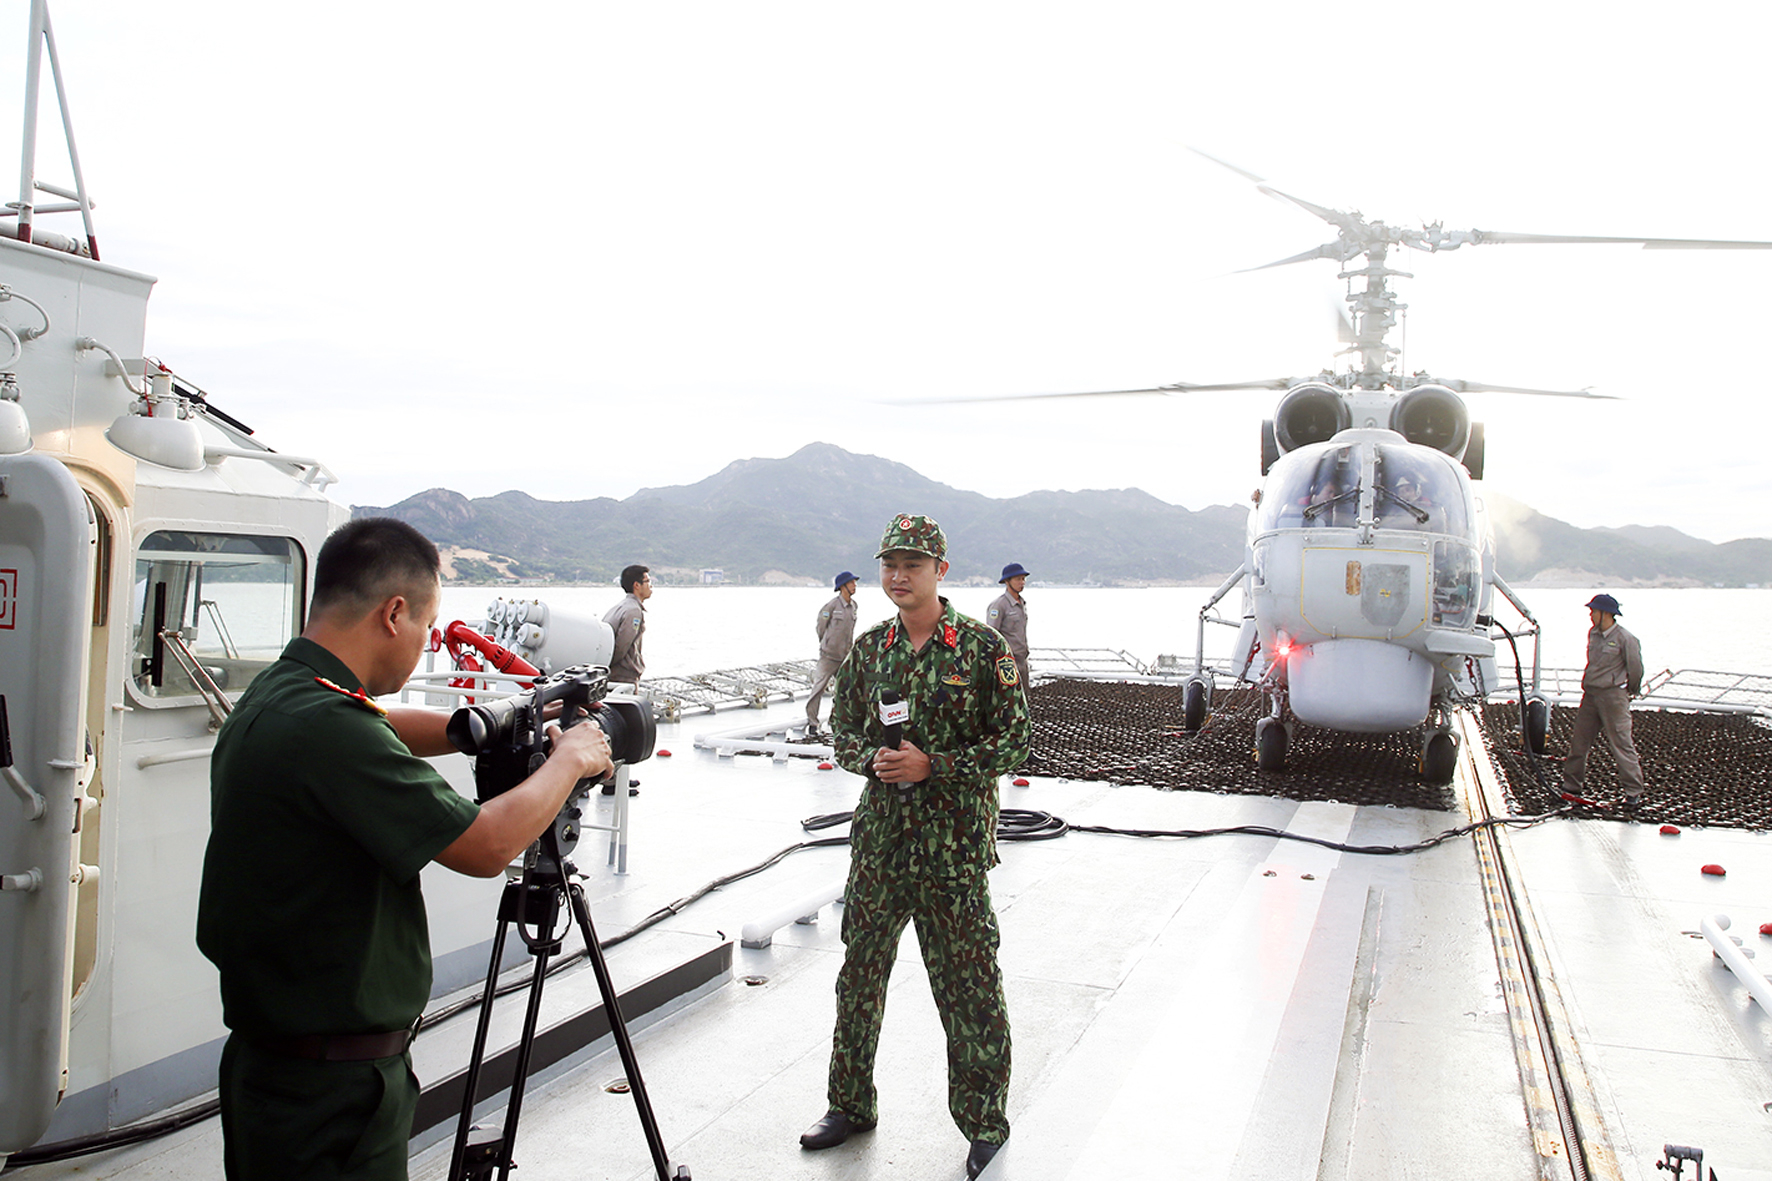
472	1082
618	1027
549	907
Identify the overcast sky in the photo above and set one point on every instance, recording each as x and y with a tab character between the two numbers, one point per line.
583	248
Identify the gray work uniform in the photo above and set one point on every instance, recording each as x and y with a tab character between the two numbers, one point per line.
1614	674
836	634
1010	618
628	620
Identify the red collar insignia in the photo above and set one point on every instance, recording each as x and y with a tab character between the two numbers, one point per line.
891	635
357	695
950	635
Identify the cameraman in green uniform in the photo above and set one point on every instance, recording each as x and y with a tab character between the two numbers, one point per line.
323	811
924	835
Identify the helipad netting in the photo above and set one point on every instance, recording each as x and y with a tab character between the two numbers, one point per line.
1702	768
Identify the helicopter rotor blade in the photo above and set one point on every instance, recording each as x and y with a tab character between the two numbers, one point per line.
1351	222
1180	387
1483	387
1245	174
1501	237
1333	250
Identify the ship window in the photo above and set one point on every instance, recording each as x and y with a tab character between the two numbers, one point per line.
1418	490
234	599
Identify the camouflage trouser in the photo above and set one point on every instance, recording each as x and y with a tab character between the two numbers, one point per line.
957	930
1603	714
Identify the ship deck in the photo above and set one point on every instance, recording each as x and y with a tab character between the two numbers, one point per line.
1233	1005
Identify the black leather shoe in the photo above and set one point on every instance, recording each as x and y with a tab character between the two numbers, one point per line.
1630	804
832	1130
979	1157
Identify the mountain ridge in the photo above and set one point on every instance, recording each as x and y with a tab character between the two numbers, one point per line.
802	517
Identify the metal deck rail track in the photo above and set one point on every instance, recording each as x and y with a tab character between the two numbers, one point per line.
1567	1133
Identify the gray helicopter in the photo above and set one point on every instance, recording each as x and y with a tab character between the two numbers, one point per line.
1368	573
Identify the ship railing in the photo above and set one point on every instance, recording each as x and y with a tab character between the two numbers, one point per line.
1695	689
752	686
1112	664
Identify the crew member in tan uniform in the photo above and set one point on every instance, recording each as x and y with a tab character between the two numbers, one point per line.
1614	675
836	635
628	620
1009	615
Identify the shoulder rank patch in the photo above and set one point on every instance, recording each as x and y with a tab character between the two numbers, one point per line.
1007	673
361	698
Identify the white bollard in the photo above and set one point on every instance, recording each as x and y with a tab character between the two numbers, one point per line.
1737	959
761	932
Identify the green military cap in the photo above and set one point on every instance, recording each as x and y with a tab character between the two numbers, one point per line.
908	531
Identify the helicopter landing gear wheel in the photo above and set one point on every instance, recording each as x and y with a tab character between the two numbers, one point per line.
1193	706
1439	756
1535	723
1270	745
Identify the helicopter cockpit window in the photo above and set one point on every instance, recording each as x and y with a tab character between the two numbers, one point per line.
1418	492
1326	492
234	599
1456	571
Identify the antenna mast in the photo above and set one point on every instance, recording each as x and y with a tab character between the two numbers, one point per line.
25	208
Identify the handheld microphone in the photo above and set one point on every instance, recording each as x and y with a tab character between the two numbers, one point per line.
894	713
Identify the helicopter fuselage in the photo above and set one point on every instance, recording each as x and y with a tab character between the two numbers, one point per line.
1367	566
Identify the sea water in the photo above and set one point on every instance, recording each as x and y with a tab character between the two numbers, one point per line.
692	629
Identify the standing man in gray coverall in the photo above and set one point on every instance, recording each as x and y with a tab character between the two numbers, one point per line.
1009	615
836	635
1614	675
628	620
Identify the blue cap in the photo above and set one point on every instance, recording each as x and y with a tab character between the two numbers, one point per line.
1605	603
1012	570
843	578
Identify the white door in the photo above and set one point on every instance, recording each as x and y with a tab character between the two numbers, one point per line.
47	544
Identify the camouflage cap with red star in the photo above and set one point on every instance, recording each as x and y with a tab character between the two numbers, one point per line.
919	534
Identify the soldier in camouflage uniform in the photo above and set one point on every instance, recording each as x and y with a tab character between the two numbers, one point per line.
924	835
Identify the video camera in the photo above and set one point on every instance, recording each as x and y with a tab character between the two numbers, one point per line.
508	738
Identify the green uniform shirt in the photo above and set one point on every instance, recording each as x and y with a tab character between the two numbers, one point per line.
968	713
321	820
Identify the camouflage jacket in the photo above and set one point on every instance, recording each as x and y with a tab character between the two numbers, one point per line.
968	713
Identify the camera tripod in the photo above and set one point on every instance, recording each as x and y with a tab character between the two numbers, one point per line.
483	1152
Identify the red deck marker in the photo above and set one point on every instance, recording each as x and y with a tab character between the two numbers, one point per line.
1715	871
1018	781
1670	830
1766	928
827	767
663	754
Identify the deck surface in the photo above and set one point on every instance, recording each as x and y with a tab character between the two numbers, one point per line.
1222	1006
